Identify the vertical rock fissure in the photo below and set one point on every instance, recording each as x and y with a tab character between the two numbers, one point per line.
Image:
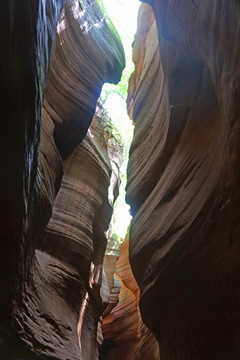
125	336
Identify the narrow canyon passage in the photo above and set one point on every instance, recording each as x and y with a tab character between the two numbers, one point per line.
120	181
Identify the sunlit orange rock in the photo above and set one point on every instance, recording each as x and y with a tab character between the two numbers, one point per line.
125	335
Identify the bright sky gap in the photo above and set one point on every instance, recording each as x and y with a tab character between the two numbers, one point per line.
123	14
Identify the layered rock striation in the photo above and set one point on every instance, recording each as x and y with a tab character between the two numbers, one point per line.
44	281
67	291
27	41
184	193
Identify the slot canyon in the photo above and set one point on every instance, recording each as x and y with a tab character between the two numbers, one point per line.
71	288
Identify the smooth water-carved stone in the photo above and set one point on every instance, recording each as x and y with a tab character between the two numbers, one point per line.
27	41
125	335
74	292
82	62
186	220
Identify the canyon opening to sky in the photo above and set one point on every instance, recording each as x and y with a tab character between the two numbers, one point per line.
123	14
169	288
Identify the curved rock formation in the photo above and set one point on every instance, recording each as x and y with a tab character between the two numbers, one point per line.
73	87
125	336
27	40
88	52
120	327
66	288
184	193
39	317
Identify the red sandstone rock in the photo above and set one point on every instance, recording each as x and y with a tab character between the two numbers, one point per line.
88	52
74	294
125	336
48	297
186	205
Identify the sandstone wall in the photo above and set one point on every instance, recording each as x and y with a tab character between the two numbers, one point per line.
44	284
67	291
27	41
184	195
125	335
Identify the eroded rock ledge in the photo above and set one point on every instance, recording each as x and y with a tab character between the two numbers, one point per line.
183	176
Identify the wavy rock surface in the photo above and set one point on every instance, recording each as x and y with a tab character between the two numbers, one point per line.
185	193
67	290
87	53
25	62
125	336
83	60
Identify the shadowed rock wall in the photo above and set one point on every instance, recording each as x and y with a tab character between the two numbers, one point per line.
42	291
27	40
185	194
